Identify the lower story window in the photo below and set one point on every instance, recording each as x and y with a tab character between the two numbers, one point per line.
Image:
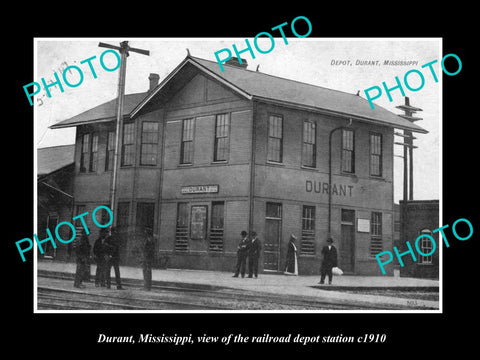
426	247
181	230
217	227
376	243
307	246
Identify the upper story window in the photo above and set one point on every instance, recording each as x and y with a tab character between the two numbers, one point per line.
93	154
275	139
348	151
128	147
149	143
89	153
309	147
375	154
85	153
222	143
186	149
110	151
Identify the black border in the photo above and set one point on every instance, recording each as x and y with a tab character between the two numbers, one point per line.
406	333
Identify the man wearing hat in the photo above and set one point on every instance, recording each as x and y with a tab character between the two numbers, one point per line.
253	249
242	255
148	258
329	253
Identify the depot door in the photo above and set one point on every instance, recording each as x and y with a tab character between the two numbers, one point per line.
347	242
273	229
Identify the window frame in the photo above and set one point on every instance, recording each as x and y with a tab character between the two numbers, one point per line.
307	245
182	227
123	217
145	135
351	151
376	233
190	141
85	153
93	157
271	138
372	154
130	146
216	238
110	151
313	163
226	136
426	260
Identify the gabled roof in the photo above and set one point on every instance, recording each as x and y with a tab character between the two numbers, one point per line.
51	159
257	85
102	113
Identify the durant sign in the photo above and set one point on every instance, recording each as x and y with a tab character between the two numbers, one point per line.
199	189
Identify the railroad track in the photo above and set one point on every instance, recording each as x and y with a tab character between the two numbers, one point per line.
181	296
49	298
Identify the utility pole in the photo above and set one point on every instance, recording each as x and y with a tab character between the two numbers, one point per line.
124	50
407	162
408	148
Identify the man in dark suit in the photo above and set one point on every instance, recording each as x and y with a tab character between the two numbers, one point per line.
99	254
112	253
253	249
148	258
329	253
82	253
242	255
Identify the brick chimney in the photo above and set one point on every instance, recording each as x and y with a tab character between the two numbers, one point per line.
154	78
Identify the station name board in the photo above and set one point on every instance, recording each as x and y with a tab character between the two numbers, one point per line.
325	188
199	189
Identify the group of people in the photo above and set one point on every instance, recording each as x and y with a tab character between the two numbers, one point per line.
249	248
106	255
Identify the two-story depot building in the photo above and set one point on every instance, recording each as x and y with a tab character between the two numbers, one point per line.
206	154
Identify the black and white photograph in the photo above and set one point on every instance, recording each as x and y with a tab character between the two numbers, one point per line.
240	183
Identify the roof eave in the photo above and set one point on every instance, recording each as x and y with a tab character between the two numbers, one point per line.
415	128
85	122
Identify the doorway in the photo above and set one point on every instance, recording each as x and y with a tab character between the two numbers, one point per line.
273	234
144	220
347	242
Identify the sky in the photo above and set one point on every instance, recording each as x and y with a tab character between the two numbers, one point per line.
308	60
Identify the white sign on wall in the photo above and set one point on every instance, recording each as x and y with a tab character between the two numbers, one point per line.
363	225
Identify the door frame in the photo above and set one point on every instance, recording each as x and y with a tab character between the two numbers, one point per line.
279	241
350	224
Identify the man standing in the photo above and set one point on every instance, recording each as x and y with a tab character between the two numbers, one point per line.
148	258
329	253
112	252
254	248
82	253
99	254
242	255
